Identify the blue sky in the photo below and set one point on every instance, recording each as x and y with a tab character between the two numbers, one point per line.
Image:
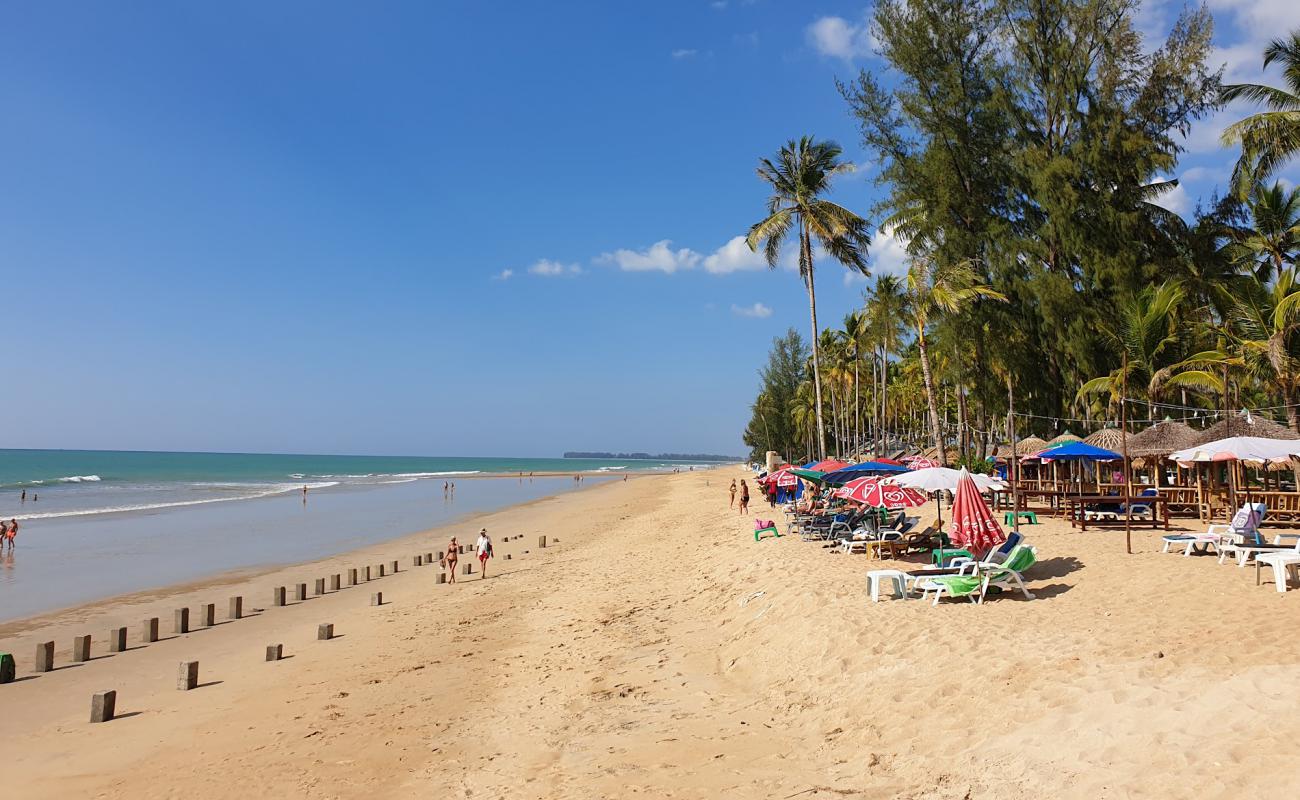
432	228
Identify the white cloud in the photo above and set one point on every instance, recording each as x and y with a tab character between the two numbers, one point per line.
839	38
887	254
504	275
748	39
547	268
1176	200
756	311
658	257
734	256
718	4
685	53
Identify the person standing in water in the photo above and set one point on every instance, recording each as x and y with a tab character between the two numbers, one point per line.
12	533
451	557
484	548
24	495
732	504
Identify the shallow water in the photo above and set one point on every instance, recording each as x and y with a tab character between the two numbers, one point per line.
67	561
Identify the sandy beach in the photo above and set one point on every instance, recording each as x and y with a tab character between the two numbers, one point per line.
655	650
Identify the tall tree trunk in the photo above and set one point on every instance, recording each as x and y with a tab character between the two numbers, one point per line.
857	405
964	433
884	383
930	398
805	243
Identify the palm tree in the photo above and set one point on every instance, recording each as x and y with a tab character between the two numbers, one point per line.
854	339
799	176
1267	322
886	307
1149	330
1273	238
1270	138
935	288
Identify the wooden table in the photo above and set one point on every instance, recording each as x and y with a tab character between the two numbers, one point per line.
1076	505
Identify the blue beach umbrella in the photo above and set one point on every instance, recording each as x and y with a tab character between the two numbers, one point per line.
842	476
1079	451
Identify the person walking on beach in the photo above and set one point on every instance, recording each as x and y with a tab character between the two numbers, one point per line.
12	533
4	534
744	497
732	504
451	559
484	548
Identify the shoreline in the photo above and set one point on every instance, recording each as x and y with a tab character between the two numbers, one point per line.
10	628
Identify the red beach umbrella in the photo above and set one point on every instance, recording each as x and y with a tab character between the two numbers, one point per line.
829	465
917	462
973	526
783	477
879	492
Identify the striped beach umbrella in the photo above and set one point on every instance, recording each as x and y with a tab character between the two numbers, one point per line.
919	462
973	526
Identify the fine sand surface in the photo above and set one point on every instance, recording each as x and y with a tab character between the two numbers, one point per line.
657	651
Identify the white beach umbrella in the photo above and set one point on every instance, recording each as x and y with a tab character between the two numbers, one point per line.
1250	449
934	479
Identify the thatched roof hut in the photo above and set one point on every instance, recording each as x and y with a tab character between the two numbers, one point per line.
1161	439
1029	446
1108	439
1063	439
1245	424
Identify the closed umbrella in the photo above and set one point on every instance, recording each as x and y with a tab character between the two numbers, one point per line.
973	526
942	479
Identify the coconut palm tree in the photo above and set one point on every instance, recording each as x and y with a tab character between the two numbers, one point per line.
1270	138
935	289
886	310
1267	325
799	176
854	340
1149	330
1272	239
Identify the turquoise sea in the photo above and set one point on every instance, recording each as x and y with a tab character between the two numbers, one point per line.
86	482
97	524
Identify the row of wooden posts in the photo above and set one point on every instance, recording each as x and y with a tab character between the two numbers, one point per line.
103	704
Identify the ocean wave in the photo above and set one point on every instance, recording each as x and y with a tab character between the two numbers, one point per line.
267	490
609	469
80	479
449	474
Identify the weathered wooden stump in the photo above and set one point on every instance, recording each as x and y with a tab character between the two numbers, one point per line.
377	599
325	631
320	586
149	630
541	541
365	573
187	677
102	706
379	570
45	657
352	576
418	561
279	596
468	569
208	615
393	568
442	577
8	669
117	640
274	652
182	620
300	592
336	582
81	648
236	610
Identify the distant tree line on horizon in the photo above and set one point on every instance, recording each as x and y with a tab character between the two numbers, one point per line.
657	457
1023	146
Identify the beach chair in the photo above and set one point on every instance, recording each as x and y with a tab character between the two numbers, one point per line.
975	584
762	526
1245	551
997	555
1244	526
923	540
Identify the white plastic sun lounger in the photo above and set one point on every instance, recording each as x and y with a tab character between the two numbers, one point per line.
1245	552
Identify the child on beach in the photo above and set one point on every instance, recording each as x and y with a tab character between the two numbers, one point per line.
732	504
484	548
451	558
744	497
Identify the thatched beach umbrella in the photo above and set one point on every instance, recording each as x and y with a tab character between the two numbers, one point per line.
1108	439
1161	439
1245	424
1064	438
1029	446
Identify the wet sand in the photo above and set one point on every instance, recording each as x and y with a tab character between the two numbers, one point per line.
657	651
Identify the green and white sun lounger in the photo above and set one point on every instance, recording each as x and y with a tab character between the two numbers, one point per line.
975	586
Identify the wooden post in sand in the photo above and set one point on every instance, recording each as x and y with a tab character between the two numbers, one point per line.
352	576
440	555
8	669
507	556
300	592
187	677
278	598
149	630
81	648
365	574
45	657
102	706
377	599
320	586
379	570
418	561
393	568
336	582
117	640
442	577
181	618
428	558
325	631
468	569
274	652
541	541
236	610
208	615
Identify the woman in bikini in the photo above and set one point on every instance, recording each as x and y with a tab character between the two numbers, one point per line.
451	558
732	504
